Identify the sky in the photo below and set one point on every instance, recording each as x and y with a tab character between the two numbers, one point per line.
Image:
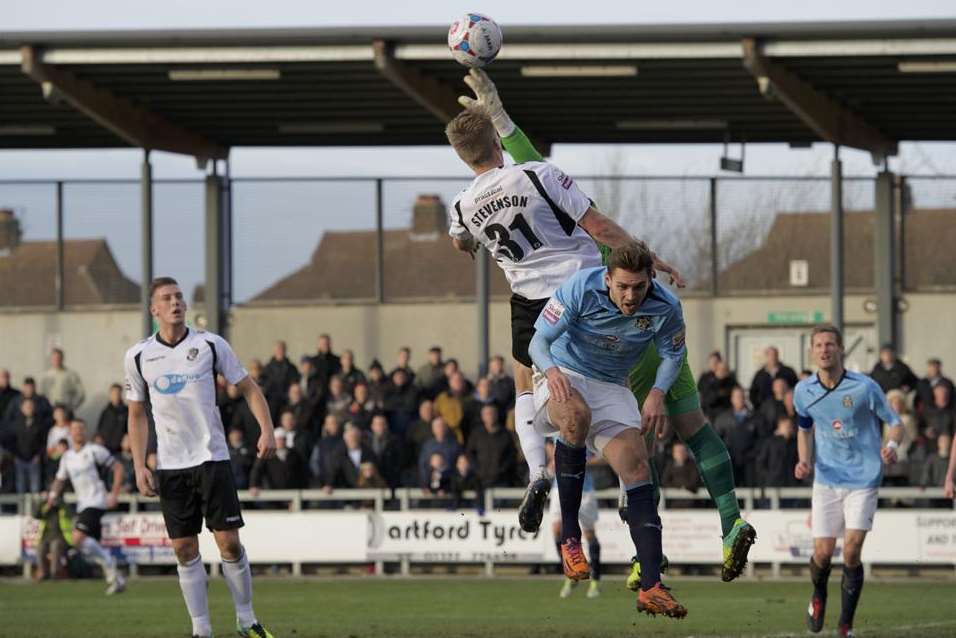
105	210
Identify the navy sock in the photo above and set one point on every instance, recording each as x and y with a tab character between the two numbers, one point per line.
570	464
819	576
594	558
852	587
557	546
645	526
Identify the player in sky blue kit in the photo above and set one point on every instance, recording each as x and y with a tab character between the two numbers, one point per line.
588	337
840	414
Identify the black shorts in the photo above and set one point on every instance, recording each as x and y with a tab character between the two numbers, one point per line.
189	495
90	522
524	312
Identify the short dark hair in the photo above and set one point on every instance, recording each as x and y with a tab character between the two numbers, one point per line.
827	328
633	256
158	283
116	386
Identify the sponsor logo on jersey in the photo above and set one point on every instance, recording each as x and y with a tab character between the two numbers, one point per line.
192	354
487	194
847	401
643	323
838	425
173	383
553	311
564	180
151	359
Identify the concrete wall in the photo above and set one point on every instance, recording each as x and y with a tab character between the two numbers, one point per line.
95	341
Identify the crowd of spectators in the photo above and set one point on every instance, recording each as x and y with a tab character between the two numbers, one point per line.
431	427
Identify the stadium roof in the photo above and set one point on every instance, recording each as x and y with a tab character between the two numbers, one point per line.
866	85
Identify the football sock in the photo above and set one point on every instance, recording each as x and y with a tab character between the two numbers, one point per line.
851	587
713	463
192	581
819	576
238	577
594	558
557	547
645	527
570	464
532	442
95	552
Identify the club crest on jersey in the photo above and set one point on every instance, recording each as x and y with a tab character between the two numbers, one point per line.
192	354
838	425
553	311
847	401
643	323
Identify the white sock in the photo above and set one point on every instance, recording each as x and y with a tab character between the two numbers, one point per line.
192	580
532	443
239	579
95	552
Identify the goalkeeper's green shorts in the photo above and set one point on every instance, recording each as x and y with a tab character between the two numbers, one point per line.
680	399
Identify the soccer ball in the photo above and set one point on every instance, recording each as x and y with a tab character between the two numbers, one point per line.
474	39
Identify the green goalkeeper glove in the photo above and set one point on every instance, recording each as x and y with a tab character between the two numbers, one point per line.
484	89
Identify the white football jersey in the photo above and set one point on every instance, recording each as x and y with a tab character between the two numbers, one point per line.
527	217
84	468
179	380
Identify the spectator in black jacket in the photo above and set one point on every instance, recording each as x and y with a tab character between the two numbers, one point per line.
705	381
761	388
387	450
419	431
284	471
30	446
924	387
404	362
377	385
347	460
242	417
938	418
464	479
325	363
8	394
681	471
296	438
351	376
112	424
437	477
241	459
42	409
401	402
305	410
891	373
278	375
361	409
778	456
502	385
337	399
738	427
493	450
772	409
320	461
718	391
308	381
473	405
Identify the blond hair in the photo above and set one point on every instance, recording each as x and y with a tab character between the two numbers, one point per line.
473	136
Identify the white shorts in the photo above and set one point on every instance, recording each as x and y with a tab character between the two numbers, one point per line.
613	408
587	515
835	509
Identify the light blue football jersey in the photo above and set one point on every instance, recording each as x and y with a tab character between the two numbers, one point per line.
847	422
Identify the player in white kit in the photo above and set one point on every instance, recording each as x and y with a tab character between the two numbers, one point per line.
84	465
173	373
541	229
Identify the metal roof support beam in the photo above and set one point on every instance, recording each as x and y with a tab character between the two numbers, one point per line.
440	100
828	118
130	122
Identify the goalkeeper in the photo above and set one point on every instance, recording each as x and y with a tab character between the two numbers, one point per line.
682	401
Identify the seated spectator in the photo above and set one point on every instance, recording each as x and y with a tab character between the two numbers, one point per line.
493	450
441	442
464	479
369	477
473	405
450	404
430	375
404	363
761	388
502	385
778	456
295	438
361	408
737	426
347	459
8	394
681	471
935	467
278	374
377	385
241	458
925	386
772	409
387	450
337	400
351	376
437	477
938	418
284	471
326	448
304	409
61	384
30	440
401	402
113	419
891	373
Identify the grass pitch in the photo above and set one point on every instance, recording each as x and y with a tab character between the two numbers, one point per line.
468	607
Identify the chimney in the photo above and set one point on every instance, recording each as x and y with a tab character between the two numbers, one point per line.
429	218
10	232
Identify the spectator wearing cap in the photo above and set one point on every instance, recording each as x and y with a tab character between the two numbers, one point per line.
387	451
430	375
502	385
761	388
347	460
401	402
934	377
351	376
113	420
283	471
493	450
278	374
325	363
891	373
441	442
61	384
404	362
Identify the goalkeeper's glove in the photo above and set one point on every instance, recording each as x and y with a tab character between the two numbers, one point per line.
484	89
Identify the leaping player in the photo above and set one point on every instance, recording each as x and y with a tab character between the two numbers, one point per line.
681	404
